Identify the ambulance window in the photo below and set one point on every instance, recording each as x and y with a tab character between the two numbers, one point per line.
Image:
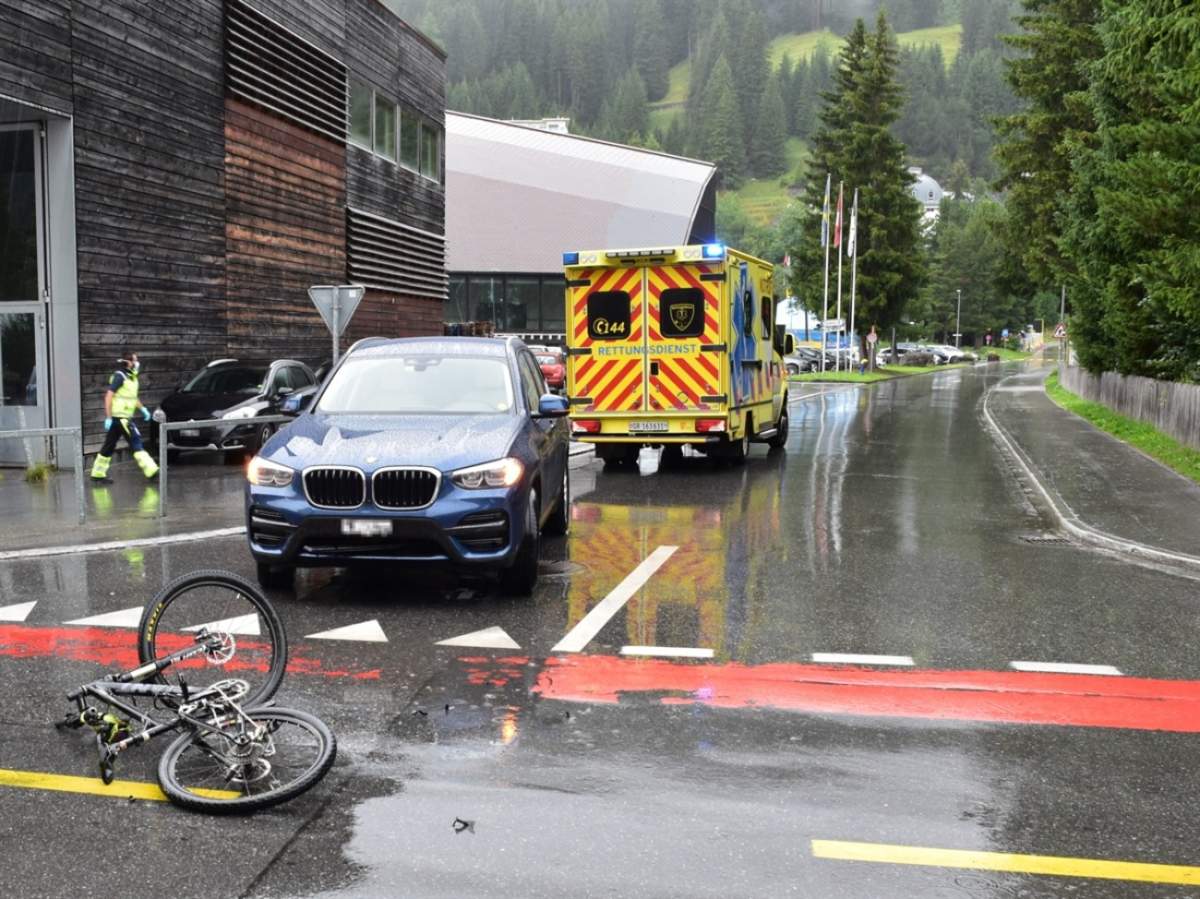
681	312
766	317
748	314
608	315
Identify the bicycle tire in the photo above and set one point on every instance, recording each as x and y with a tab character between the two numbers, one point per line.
169	778
273	652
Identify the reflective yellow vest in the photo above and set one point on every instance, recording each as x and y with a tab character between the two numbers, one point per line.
125	398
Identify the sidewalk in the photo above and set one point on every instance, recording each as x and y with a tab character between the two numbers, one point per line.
201	497
1107	485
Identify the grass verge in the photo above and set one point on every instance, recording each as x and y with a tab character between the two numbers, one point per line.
1147	438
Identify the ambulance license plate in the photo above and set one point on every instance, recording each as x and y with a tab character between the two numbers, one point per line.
652	427
365	527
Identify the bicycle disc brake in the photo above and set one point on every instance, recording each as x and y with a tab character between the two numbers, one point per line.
220	648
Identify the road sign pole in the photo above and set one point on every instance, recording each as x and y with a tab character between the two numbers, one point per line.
337	302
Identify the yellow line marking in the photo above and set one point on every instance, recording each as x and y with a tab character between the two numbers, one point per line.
1059	866
118	789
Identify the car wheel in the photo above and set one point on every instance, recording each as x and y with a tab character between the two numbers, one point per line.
781	429
793	369
559	522
281	577
738	450
264	434
521	577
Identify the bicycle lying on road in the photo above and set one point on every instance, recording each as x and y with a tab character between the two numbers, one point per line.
235	752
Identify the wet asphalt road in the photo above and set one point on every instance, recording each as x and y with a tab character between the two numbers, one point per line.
891	526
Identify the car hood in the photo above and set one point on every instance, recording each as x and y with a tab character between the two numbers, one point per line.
376	441
199	406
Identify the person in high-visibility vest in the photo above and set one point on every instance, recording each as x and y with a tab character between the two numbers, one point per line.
121	407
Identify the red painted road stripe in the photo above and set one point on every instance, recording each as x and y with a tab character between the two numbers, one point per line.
116	648
996	696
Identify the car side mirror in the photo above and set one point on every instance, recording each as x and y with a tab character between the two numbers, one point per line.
294	405
551	406
789	345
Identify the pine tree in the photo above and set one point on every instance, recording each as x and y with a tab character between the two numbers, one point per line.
1132	232
724	137
627	112
650	48
768	152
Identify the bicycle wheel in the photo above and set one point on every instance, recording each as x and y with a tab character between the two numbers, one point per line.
254	646
240	770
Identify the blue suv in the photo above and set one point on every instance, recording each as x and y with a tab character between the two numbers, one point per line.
420	450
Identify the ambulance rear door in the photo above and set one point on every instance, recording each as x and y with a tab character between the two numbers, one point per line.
606	314
684	350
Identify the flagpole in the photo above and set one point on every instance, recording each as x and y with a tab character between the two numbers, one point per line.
825	241
853	251
837	238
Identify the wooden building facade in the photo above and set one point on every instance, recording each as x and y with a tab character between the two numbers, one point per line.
176	174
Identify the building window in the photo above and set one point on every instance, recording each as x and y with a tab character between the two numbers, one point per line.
385	128
431	156
484	293
524	302
360	114
554	305
410	140
456	300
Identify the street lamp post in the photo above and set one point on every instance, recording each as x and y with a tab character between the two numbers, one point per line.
957	320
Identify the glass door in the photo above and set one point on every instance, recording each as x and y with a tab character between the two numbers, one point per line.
24	389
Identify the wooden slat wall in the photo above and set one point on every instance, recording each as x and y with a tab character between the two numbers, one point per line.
286	230
390	315
35	52
150	193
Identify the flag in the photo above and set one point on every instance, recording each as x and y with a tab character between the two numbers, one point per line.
837	228
825	214
850	241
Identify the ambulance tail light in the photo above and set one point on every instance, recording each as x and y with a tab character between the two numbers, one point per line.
710	426
585	426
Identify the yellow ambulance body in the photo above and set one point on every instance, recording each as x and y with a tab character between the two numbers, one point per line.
673	346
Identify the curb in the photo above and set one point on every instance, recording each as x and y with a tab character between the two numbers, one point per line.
1066	518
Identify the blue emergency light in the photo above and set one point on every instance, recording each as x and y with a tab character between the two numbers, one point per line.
570	259
713	251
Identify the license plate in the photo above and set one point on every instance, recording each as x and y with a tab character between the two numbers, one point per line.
189	432
363	527
643	427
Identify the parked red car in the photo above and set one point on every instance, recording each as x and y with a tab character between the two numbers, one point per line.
553	365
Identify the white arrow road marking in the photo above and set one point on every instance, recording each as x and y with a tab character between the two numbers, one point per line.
488	638
850	658
19	612
241	624
124	618
365	632
1065	668
676	652
582	634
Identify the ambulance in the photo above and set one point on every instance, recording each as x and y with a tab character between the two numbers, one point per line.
673	347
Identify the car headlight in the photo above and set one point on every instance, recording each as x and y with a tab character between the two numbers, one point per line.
501	473
159	415
263	473
243	412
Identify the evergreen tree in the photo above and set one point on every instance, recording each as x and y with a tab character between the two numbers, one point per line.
768	153
750	70
650	54
674	140
1133	235
724	138
627	112
786	74
1058	38
855	145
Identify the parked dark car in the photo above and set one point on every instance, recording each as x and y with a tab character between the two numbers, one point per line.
237	392
418	450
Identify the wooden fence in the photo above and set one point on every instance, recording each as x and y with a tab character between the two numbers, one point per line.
1172	408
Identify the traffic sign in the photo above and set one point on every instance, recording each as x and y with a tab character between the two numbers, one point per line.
1060	330
344	297
872	338
833	324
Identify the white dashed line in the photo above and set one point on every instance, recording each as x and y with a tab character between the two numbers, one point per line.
678	652
849	658
1065	668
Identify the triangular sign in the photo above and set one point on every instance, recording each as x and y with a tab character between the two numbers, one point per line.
345	296
19	612
488	638
124	618
366	632
241	624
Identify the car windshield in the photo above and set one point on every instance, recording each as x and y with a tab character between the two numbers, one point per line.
424	384
228	379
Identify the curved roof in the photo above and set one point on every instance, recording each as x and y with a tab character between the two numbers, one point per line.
517	197
927	191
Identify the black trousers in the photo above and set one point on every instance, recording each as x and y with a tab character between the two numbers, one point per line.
122	427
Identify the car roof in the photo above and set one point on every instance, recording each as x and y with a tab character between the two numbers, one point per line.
446	346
